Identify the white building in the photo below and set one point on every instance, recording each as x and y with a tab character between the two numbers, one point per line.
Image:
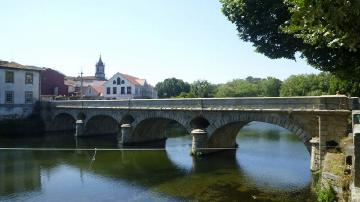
19	89
123	86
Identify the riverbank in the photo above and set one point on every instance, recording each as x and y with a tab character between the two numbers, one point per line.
31	125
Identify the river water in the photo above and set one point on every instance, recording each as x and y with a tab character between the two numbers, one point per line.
270	164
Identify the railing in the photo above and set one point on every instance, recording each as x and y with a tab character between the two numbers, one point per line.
245	103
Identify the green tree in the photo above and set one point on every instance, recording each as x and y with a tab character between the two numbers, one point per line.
270	87
172	87
305	85
238	88
334	23
278	30
348	87
202	89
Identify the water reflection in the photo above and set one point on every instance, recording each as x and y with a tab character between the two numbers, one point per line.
18	173
266	167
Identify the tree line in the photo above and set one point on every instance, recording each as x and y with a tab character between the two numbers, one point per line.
295	85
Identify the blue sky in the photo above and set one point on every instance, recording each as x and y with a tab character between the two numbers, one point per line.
158	39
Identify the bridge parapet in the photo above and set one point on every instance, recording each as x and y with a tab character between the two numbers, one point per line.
246	103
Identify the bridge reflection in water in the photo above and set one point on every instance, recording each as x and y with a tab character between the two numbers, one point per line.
256	169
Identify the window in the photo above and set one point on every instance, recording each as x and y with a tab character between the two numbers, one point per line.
9	77
118	81
28	97
128	90
56	90
122	82
122	90
114	90
114	82
356	119
108	90
29	78
9	97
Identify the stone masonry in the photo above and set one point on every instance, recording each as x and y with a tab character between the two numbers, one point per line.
319	121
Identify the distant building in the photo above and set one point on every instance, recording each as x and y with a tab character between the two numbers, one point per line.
52	84
70	84
88	82
123	86
100	70
19	89
93	90
118	87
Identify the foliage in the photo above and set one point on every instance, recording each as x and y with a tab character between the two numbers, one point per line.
320	84
202	89
237	88
331	22
250	87
301	85
325	193
295	85
270	87
258	22
278	30
172	87
186	95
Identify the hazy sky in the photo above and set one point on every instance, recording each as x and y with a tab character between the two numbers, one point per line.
157	39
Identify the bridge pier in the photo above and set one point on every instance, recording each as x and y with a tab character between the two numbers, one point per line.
80	128
126	131
199	142
315	154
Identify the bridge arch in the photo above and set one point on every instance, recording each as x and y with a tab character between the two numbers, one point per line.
102	125
63	122
127	119
199	122
223	132
151	126
180	118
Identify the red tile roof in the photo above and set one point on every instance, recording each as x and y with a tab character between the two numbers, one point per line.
134	80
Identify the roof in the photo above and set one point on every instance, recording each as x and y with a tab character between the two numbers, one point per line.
91	83
100	62
14	65
99	89
89	78
69	82
49	69
134	80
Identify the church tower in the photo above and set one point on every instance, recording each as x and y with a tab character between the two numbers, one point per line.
100	70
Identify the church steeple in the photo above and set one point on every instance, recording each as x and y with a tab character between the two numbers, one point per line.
100	70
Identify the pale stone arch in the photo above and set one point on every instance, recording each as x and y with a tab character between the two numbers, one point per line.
116	114
151	126
178	117
223	131
101	124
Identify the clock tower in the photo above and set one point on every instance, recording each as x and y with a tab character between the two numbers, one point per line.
100	70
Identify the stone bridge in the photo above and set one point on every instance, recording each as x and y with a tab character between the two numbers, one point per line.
319	121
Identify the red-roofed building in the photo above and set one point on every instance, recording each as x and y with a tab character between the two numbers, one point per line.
124	86
52	83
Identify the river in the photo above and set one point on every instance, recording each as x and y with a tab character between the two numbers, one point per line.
270	164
